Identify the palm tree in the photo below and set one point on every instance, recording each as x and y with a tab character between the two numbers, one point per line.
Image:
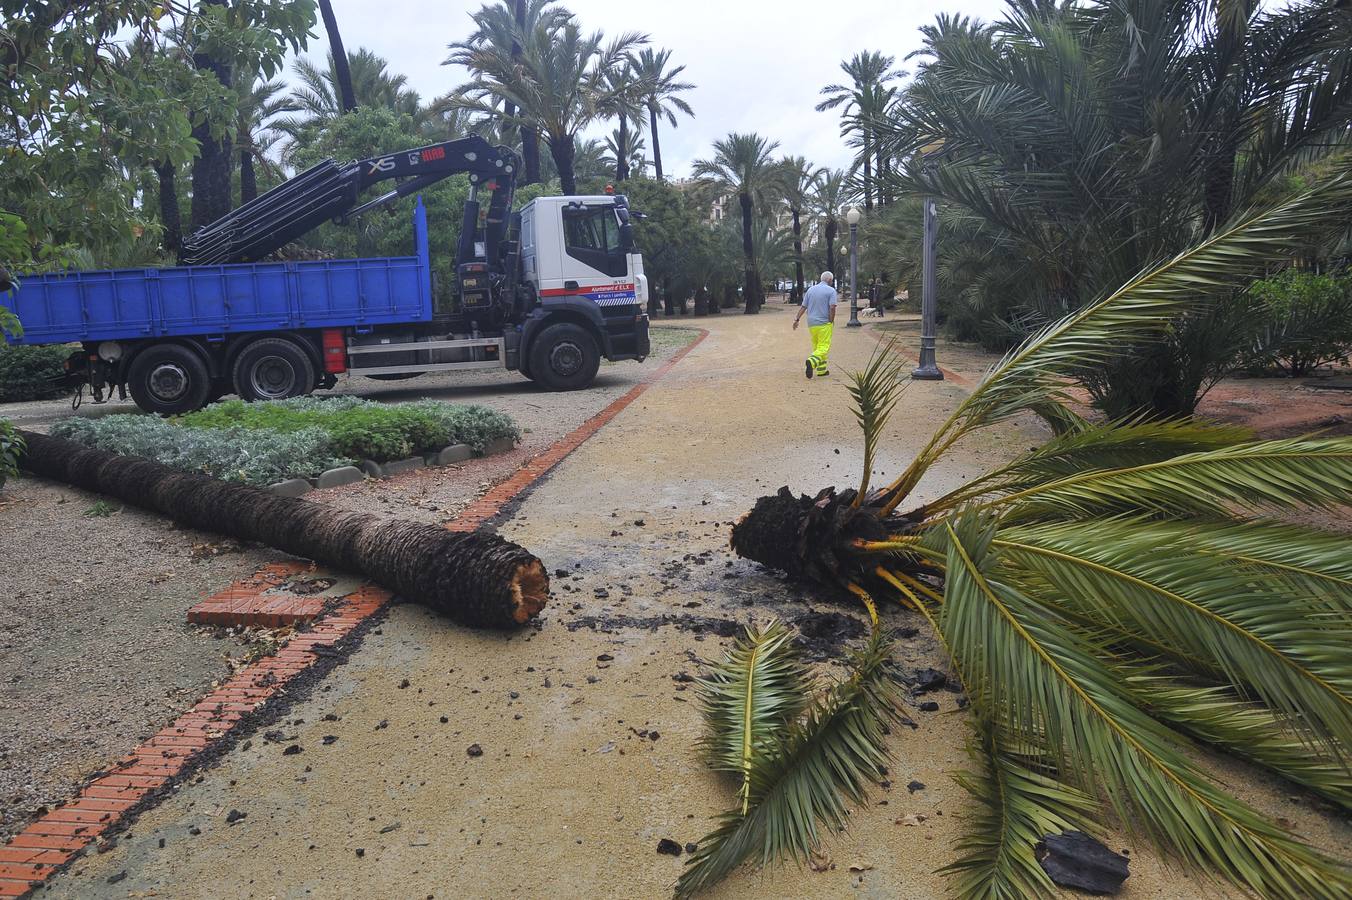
317	95
498	28
829	196
660	88
255	111
342	72
865	100
1109	602
622	100
633	160
742	165
1097	139
557	86
799	179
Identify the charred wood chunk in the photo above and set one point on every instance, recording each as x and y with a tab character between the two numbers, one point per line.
1076	860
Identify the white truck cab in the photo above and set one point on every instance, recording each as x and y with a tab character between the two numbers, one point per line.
582	247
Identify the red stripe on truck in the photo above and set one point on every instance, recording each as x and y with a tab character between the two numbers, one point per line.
589	289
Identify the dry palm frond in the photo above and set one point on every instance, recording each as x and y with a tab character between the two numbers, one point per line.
800	782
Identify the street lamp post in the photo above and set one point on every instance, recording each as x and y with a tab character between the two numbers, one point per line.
928	370
853	218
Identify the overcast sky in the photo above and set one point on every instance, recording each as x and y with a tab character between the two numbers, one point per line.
757	66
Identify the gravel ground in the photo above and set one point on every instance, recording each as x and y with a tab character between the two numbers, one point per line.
95	651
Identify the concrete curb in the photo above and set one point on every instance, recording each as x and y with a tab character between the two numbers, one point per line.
447	456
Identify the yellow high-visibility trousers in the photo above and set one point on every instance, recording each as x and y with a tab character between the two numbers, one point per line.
821	346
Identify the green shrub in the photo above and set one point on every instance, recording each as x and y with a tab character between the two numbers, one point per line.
25	372
363	429
251	456
1308	321
11	447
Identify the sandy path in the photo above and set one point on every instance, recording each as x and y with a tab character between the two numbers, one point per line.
588	741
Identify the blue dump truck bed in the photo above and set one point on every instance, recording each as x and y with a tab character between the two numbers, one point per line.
127	304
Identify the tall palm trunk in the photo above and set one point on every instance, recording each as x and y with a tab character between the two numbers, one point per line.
880	171
341	70
562	151
212	168
751	284
622	150
248	181
169	215
797	256
831	244
530	153
475	578
657	147
868	173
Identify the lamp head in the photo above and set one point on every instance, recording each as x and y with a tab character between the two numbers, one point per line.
852	216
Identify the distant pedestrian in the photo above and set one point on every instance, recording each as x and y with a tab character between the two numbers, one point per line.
819	302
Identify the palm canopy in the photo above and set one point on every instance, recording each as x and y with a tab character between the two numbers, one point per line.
743	164
660	93
557	85
316	96
1094	139
1109	601
863	103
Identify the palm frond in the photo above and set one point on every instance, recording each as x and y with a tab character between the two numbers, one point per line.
1018	803
1096	447
1035	372
1215	715
750	698
1291	473
875	392
1044	685
823	762
1289	652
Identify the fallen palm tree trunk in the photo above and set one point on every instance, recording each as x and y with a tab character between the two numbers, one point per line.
474	578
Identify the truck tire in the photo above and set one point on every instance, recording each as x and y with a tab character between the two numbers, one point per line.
273	369
564	357
169	379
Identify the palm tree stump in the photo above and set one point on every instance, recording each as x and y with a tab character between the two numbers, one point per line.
474	578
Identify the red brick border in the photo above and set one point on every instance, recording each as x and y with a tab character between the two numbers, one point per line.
254	601
36	853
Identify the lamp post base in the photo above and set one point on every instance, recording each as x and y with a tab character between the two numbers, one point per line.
854	323
927	373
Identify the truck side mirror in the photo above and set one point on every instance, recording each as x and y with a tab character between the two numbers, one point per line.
627	237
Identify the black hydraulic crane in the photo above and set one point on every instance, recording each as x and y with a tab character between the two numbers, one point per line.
329	191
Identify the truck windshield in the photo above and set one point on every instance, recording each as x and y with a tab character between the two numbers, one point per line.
591	235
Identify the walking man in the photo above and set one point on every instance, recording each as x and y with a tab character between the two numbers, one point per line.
819	302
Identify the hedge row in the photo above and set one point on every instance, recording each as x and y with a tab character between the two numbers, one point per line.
262	443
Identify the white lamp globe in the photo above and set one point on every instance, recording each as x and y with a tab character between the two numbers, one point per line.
852	216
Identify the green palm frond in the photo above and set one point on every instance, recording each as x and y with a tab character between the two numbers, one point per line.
875	392
1095	447
1215	715
750	698
1018	803
1044	683
822	763
1296	472
1035	373
1286	650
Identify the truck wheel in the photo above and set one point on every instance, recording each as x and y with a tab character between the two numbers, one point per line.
169	379
564	358
273	369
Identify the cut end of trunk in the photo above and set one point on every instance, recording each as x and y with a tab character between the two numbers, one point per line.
530	591
808	537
